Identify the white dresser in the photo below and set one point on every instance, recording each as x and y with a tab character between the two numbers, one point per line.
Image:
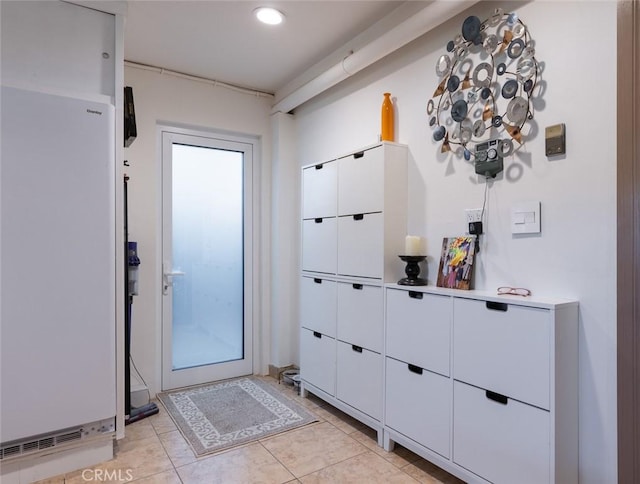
483	386
354	222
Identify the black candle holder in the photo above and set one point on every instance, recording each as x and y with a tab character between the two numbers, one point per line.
412	270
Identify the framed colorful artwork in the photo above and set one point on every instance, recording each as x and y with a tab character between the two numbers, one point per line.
456	262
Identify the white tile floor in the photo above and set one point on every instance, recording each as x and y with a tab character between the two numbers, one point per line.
336	449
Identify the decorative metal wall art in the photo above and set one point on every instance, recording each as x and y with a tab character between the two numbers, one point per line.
487	80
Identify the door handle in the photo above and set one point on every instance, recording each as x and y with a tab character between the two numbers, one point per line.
167	279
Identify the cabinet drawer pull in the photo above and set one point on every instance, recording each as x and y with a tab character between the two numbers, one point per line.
317	280
415	295
319	167
357	286
496	306
318	220
317	335
496	397
414	369
360	154
357	349
358	216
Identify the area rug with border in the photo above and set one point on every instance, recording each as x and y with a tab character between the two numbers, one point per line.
225	414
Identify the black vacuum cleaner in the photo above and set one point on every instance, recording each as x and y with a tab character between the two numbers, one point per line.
132	262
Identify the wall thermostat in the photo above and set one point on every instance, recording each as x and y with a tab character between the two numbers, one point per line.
555	141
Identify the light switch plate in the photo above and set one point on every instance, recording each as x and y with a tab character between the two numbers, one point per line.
525	218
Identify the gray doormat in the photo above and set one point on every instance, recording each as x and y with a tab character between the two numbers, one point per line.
221	415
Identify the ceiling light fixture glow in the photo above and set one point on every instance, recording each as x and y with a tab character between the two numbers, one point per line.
268	15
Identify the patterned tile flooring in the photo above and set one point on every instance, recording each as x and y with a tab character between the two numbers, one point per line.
336	449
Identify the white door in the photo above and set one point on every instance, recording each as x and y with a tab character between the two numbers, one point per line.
206	258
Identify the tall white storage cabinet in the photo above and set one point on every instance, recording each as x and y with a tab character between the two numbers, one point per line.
58	395
354	212
484	386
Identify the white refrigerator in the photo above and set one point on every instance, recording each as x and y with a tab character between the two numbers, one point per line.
57	264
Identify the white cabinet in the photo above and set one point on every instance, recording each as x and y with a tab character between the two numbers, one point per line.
354	223
319	189
504	348
318	360
59	46
319	225
360	315
501	440
417	392
319	245
354	214
318	305
361	245
61	157
419	328
418	403
362	179
359	379
484	386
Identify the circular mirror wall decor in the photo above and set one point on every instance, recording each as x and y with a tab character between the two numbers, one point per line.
487	80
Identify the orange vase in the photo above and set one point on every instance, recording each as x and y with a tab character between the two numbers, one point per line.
386	133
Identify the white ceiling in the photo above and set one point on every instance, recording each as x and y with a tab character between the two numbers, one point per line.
221	40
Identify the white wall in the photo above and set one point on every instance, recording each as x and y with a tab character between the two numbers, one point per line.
285	237
161	98
575	255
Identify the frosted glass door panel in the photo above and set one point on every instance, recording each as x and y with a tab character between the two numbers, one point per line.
207	254
207	248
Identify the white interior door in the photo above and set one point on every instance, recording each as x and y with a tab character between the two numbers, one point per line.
206	259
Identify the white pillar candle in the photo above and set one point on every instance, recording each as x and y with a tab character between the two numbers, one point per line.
414	245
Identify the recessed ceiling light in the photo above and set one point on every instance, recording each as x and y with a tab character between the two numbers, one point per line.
269	15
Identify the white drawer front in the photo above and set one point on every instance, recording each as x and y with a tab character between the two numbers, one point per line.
418	329
361	181
319	246
318	360
501	443
360	245
418	405
359	379
504	351
318	305
360	315
320	190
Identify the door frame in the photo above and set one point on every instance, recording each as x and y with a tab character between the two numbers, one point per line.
253	256
628	241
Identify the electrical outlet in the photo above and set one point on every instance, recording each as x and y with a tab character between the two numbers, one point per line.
473	215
